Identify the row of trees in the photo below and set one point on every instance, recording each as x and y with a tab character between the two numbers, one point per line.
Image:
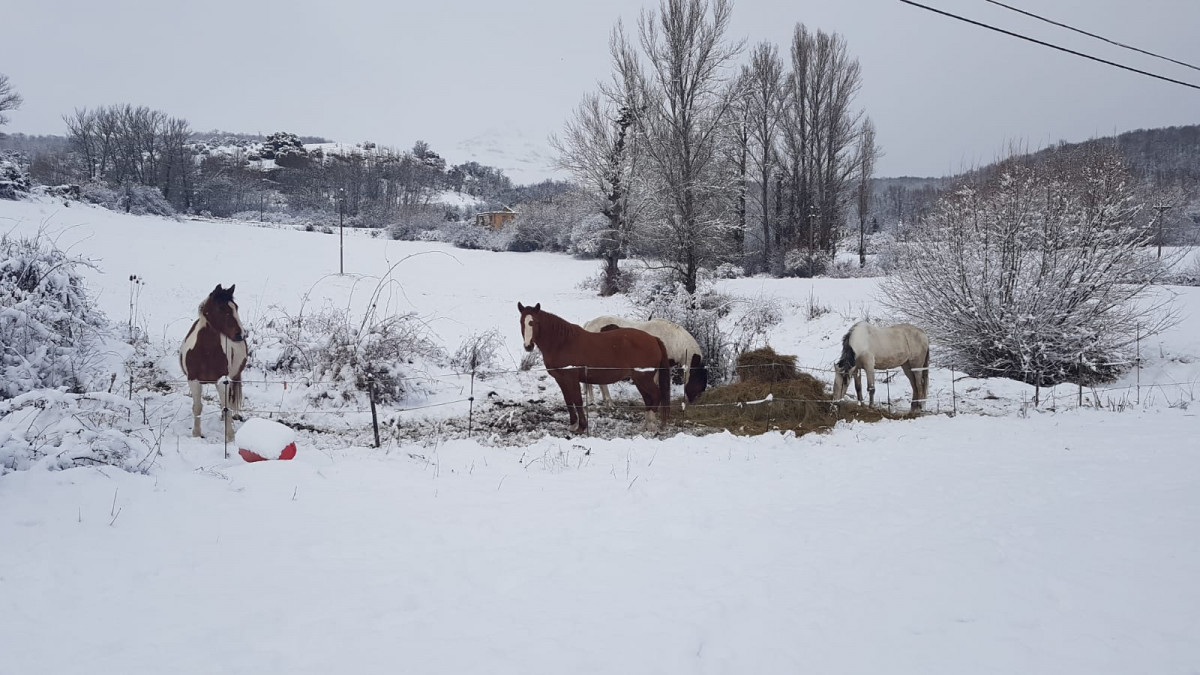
127	149
696	161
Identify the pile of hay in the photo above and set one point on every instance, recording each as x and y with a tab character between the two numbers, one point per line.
764	365
799	400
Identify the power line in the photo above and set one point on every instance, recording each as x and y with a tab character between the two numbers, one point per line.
1092	35
1052	46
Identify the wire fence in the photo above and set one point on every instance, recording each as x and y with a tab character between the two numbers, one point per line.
949	398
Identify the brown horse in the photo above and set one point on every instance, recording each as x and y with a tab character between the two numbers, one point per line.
214	352
574	356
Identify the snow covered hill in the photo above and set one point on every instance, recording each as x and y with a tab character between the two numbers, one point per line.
1007	539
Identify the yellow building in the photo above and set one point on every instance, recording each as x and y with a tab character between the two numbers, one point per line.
495	219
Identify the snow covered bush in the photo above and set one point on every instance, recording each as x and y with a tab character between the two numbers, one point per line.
14	176
140	200
50	332
1038	272
334	346
800	262
52	429
722	325
478	354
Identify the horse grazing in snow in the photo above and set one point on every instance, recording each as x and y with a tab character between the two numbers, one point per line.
867	347
682	349
573	356
214	352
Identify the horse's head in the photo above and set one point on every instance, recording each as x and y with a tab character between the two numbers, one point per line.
697	379
529	324
221	312
841	379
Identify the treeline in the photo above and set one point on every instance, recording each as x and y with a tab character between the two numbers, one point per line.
124	146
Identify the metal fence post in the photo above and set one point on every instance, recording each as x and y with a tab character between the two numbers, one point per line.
471	402
374	417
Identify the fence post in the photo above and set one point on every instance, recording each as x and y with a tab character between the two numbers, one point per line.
1138	360
1080	376
224	383
471	403
953	395
374	417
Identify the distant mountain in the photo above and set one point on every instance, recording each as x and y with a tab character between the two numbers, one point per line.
523	159
1163	158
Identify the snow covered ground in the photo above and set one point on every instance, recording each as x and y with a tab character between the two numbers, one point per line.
1009	539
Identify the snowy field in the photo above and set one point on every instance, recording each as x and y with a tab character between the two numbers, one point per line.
1006	539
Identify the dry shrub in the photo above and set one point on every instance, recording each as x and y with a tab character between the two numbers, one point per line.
799	400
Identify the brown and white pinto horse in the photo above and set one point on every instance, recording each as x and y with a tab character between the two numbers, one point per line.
214	349
574	356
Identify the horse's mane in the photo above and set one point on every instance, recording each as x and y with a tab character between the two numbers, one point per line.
846	362
555	331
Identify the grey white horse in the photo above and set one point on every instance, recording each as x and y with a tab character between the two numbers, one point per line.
867	347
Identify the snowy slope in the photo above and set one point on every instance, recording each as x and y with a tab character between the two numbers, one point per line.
1042	542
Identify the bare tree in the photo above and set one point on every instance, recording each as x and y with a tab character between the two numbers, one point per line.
764	96
687	104
9	98
820	130
867	153
600	147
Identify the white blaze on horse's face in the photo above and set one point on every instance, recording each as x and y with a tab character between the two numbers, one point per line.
527	331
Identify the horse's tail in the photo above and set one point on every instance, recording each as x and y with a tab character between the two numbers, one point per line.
664	383
697	379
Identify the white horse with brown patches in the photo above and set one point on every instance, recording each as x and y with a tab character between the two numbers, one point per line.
682	349
867	347
215	352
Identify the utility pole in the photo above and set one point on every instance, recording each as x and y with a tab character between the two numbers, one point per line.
1160	208
341	225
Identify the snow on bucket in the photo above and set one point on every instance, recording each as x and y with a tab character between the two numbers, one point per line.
260	439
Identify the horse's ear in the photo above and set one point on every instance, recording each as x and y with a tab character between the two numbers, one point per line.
520	307
217	289
231	287
537	307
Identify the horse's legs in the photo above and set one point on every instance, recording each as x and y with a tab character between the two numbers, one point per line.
573	396
194	388
587	388
914	381
647	386
858	383
870	368
604	395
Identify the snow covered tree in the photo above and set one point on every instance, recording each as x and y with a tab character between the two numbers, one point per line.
867	153
14	176
600	147
765	98
1036	271
285	148
820	127
687	105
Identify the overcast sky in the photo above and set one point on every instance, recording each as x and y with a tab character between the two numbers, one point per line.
944	94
